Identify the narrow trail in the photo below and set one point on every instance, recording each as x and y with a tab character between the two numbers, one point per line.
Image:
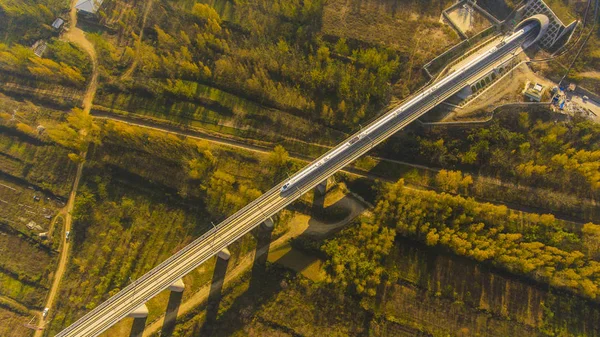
127	74
64	250
233	142
349	169
60	215
76	36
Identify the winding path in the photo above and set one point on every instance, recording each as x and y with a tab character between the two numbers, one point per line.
76	36
303	224
138	46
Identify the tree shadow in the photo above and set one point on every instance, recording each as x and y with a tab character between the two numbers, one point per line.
266	281
171	314
303	252
138	326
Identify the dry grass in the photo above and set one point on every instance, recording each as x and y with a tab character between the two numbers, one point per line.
12	324
398	24
21	257
470	23
564	13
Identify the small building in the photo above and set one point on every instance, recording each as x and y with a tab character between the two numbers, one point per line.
534	91
39	47
58	23
88	7
33	226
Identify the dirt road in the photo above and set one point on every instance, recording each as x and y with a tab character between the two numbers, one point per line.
349	170
76	36
64	250
235	143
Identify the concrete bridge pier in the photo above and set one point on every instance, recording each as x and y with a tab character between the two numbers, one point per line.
326	185
175	298
139	321
320	191
140	312
215	292
177	286
268	224
137	329
224	254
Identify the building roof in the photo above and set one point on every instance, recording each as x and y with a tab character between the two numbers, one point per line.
57	23
39	47
90	6
534	91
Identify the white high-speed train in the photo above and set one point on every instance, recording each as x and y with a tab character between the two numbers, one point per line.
390	116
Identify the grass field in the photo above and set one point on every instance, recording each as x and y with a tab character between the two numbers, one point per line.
13	323
20	257
33	172
397	24
563	11
26	154
27	294
41	164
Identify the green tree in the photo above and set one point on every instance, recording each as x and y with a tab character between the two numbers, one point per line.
77	132
199	168
591	239
356	256
225	195
453	181
278	163
165	41
206	13
341	47
26	129
323	54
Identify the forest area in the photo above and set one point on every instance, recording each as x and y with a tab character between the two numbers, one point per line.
271	54
534	149
144	213
497	223
538	246
391	271
270	66
26	23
